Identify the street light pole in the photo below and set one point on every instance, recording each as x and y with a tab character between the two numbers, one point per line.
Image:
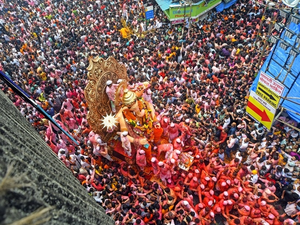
271	25
190	18
183	18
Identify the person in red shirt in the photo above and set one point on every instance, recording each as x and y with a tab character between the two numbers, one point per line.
141	159
193	184
215	79
52	146
244	211
256	212
208	196
97	185
199	207
80	177
223	136
242	172
240	220
165	121
217	209
78	119
162	73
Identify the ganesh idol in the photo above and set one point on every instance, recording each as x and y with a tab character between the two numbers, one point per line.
133	123
137	117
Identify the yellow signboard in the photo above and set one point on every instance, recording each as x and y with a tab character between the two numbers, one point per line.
269	89
268	95
260	110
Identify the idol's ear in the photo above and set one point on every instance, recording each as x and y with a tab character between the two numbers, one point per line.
123	85
99	72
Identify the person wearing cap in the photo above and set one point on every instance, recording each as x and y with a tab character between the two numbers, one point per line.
165	172
126	145
173	131
188	178
270	218
197	174
175	155
235	196
178	152
217	209
275	210
157	133
222	203
200	189
164	122
224	195
185	129
193	184
263	206
211	182
185	205
111	93
245	210
210	218
255	211
178	144
154	166
253	178
228	206
172	163
208	198
205	178
199	207
221	185
141	159
188	196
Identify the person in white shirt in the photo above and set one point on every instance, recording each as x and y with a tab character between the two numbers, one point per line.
98	196
244	144
253	177
231	145
226	121
61	152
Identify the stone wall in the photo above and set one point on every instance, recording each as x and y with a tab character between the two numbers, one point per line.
41	179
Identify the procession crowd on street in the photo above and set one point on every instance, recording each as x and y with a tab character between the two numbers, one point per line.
200	75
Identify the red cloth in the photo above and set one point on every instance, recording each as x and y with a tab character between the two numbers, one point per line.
223	136
98	187
157	132
269	179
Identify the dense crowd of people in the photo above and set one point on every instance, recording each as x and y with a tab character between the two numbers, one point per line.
241	173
